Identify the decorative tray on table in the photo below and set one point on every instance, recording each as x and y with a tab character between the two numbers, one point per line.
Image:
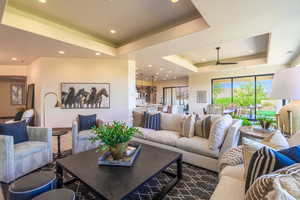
130	156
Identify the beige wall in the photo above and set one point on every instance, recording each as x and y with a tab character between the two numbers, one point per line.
13	70
170	83
49	73
202	81
6	109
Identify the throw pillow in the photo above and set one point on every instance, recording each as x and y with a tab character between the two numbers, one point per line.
218	131
267	160
86	122
17	129
282	184
188	126
203	126
18	116
249	148
138	119
152	120
276	141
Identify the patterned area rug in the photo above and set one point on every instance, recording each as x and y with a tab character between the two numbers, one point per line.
196	184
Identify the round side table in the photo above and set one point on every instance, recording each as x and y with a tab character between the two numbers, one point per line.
58	134
255	132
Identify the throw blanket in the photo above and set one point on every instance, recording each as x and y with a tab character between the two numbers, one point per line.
232	157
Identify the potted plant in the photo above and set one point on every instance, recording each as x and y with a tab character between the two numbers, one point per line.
114	137
265	122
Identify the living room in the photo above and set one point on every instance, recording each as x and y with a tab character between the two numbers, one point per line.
194	85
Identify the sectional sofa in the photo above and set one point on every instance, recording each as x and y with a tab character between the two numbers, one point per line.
195	149
231	178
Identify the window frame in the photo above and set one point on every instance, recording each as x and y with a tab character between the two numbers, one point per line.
235	77
173	87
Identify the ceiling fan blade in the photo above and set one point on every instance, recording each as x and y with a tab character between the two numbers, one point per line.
227	63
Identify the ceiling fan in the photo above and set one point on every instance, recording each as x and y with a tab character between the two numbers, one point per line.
222	63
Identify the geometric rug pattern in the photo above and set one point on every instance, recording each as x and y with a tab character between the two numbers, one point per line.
196	184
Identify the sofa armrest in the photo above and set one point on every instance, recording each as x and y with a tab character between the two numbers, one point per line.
42	135
231	157
232	137
7	166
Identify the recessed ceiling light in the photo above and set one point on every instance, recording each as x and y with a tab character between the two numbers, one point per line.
149	65
14	59
174	1
61	52
157	73
98	53
112	31
43	1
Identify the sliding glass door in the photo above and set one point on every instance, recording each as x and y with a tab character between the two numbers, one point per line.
248	93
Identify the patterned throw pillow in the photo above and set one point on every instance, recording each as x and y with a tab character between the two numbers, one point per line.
203	126
282	184
188	126
267	160
152	121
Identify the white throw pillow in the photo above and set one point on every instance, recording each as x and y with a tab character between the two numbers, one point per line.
276	141
188	126
249	148
218	131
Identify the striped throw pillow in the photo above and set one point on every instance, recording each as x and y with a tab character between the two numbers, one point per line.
267	160
203	126
152	121
282	184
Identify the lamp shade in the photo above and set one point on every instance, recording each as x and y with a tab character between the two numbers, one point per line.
286	84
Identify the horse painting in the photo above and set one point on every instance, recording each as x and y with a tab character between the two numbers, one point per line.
85	95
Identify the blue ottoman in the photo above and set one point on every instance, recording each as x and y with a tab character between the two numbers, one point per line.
32	185
59	194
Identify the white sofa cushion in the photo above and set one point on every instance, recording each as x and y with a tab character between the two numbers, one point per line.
162	136
86	134
143	132
229	188
171	122
28	148
276	141
236	172
197	145
218	131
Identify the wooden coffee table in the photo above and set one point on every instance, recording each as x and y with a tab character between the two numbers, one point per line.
115	183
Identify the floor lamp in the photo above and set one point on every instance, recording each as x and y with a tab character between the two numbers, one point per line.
286	85
57	105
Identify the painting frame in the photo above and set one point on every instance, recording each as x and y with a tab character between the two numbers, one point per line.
84	101
17	94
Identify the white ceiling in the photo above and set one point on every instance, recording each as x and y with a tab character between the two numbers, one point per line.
132	19
230	22
232	49
26	47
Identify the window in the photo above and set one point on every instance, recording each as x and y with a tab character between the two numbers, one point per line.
175	95
248	93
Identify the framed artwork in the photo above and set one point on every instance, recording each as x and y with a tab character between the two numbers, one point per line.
85	95
17	94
